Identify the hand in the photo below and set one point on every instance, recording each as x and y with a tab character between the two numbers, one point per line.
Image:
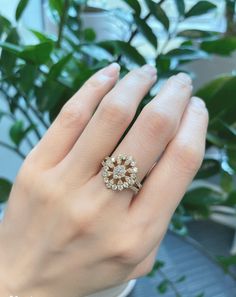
64	233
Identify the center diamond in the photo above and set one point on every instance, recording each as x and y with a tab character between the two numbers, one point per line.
119	171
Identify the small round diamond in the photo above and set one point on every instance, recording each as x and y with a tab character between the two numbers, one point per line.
104	174
119	172
126	185
106	180
120	187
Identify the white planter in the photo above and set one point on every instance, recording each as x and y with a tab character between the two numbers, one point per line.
119	291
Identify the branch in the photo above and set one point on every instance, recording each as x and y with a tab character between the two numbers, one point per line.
38	115
62	22
133	34
14	149
23	112
172	285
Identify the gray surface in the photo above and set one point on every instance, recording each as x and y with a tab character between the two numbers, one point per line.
181	258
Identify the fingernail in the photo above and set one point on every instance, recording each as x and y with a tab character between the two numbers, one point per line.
149	69
185	78
111	70
198	102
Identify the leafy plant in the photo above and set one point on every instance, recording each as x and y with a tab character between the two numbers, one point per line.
37	79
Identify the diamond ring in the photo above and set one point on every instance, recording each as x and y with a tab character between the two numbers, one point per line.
120	173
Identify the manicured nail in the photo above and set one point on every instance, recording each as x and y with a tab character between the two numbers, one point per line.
149	69
111	70
198	102
185	78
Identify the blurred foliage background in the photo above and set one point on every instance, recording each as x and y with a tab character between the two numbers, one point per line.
37	79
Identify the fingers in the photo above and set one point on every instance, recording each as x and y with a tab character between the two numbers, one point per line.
157	124
110	121
73	117
169	179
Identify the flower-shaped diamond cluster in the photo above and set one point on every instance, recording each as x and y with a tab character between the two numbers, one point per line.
119	172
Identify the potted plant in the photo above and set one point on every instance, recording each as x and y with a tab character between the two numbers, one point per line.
61	61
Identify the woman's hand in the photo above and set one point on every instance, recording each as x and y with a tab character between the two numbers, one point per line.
64	233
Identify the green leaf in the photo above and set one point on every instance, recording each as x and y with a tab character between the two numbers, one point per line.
210	167
20	8
49	95
196	34
232	158
163	64
181	279
56	7
26	85
43	37
134	4
9	52
89	35
231	199
226	262
201	7
123	48
146	31
219	95
163	286
57	68
223	46
5	25
16	132
203	196
157	11
180	6
157	265
37	54
5	189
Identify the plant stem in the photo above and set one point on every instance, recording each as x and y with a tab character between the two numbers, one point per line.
172	285
36	131
14	149
36	113
62	22
133	34
230	18
21	109
32	108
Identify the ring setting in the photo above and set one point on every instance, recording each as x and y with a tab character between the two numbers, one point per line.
120	173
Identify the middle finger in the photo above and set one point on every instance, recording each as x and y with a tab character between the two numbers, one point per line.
157	123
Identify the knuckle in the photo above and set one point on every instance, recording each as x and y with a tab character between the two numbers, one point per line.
82	220
143	76
93	83
180	82
189	156
72	115
128	253
158	120
116	111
